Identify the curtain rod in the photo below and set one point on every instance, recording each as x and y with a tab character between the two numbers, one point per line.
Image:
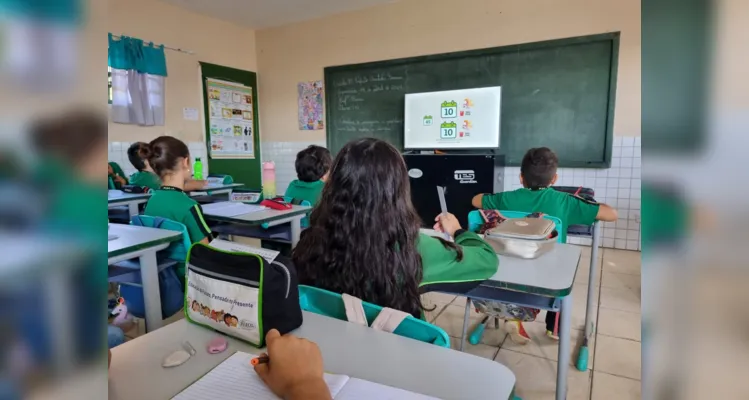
165	46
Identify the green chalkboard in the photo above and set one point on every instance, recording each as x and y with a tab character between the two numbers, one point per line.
558	94
243	170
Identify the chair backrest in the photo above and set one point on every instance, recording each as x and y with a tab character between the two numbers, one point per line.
330	304
177	250
475	220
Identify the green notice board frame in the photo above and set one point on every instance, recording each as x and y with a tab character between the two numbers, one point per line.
244	170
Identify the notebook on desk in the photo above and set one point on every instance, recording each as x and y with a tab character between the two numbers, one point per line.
235	379
230	209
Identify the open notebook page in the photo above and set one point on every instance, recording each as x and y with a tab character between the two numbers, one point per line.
235	379
358	389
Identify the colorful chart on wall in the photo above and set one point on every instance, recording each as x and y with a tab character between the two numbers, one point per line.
230	119
310	106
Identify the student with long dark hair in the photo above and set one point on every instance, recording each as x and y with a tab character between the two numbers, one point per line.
364	240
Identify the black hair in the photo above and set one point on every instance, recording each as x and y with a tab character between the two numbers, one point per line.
364	230
163	154
538	168
312	163
71	136
136	153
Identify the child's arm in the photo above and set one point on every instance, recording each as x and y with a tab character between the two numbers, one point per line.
193	184
477	199
487	201
606	213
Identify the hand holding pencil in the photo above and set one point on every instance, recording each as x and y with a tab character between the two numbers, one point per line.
292	368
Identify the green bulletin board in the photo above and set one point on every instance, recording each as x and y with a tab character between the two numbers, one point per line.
243	170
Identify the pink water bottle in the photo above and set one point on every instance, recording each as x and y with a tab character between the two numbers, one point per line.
269	180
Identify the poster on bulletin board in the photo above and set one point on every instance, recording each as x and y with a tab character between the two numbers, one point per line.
230	119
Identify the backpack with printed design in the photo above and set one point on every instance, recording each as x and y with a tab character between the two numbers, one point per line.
241	294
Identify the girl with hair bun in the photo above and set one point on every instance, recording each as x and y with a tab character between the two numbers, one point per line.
169	158
138	154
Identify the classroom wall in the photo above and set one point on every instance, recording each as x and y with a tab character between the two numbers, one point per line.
211	40
299	52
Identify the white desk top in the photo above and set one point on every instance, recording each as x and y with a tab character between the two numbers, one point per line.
116	196
349	349
217	186
551	274
131	238
260	217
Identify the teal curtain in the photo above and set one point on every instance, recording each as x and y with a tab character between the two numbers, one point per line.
133	54
59	11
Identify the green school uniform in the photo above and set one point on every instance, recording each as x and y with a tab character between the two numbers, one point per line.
440	265
174	204
570	209
301	190
665	217
113	184
145	178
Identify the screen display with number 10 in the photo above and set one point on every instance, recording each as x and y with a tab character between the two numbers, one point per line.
455	119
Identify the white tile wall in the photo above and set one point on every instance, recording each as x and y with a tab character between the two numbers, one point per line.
118	154
618	186
283	154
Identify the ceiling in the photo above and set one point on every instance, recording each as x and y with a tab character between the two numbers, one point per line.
257	14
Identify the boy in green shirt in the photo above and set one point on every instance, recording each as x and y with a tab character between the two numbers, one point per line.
116	176
312	166
538	171
145	176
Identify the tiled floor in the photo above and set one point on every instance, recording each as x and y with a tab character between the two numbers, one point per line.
614	364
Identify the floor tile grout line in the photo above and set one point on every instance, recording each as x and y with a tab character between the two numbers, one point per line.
618	376
617	337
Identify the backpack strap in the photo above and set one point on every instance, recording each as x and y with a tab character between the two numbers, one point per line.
354	310
389	319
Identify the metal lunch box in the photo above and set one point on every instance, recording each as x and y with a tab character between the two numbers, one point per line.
527	238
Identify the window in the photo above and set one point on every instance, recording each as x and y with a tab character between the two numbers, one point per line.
109	78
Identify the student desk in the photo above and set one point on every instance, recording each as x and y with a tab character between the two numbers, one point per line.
348	349
271	217
216	188
590	304
143	243
132	200
536	283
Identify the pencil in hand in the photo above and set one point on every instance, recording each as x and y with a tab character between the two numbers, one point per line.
259	360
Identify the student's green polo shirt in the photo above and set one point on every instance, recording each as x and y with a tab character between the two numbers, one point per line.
113	184
570	209
440	264
145	178
174	204
301	190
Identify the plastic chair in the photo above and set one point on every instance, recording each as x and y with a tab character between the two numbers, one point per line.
171	271
323	302
475	220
